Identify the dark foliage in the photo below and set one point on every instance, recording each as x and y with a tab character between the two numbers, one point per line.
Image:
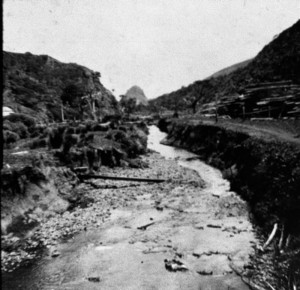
22	118
72	95
34	84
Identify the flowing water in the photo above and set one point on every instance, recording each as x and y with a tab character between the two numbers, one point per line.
212	177
212	235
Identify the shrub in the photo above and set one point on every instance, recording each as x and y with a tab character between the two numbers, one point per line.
21	130
25	119
39	131
7	125
10	137
38	143
55	137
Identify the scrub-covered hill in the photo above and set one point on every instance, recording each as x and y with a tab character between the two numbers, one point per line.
278	61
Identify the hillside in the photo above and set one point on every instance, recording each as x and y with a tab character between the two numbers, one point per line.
136	93
230	69
277	61
34	85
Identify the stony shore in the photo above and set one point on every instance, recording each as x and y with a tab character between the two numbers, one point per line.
187	223
101	197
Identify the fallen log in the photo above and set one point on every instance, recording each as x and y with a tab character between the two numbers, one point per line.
82	168
90	176
143	228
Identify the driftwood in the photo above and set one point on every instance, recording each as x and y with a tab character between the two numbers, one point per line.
272	235
90	176
143	228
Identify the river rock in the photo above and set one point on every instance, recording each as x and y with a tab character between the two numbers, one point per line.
55	253
93	279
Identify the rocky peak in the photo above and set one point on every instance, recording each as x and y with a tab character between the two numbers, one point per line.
137	93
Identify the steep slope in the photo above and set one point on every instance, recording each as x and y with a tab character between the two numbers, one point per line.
278	61
136	93
34	84
230	69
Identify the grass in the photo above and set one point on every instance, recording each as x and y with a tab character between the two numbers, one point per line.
279	130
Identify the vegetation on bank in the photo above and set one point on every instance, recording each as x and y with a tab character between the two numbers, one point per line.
264	172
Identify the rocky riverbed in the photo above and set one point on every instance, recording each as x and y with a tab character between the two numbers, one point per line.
140	235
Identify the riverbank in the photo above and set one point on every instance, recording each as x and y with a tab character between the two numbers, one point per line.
264	170
39	178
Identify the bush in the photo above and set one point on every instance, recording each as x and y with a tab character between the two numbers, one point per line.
39	131
38	143
55	137
7	125
10	137
119	136
25	119
21	130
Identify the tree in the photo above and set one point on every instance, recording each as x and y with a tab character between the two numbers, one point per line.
90	98
199	92
71	95
128	104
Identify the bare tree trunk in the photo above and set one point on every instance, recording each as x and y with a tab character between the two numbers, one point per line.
91	103
62	113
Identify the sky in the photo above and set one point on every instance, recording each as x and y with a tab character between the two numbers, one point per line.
159	45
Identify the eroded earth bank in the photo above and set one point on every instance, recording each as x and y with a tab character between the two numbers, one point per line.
188	232
262	163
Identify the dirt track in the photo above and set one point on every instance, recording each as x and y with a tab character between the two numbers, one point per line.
265	130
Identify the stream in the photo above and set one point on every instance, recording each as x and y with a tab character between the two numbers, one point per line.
205	228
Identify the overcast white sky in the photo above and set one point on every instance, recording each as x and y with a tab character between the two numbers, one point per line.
159	45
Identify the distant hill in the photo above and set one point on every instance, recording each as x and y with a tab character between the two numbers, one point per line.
137	93
230	69
34	84
277	61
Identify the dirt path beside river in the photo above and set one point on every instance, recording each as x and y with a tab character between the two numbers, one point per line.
173	235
